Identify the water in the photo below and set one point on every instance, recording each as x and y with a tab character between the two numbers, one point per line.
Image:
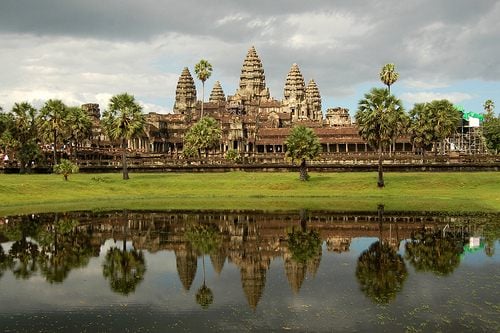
249	271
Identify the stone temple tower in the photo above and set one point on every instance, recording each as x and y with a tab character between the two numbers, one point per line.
313	100
217	94
185	93
252	79
295	94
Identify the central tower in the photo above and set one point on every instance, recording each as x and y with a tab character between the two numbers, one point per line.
252	79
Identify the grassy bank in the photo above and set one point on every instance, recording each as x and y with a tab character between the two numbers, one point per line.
457	192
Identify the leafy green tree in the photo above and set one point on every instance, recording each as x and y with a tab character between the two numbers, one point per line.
446	120
7	126
203	70
123	120
52	123
380	119
491	127
491	132
388	75
80	128
302	144
65	168
203	135
26	133
421	127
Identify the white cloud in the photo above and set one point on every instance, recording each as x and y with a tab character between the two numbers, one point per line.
424	84
422	97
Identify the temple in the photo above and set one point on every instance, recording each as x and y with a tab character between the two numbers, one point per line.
252	121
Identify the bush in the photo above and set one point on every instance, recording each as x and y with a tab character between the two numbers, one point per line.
65	167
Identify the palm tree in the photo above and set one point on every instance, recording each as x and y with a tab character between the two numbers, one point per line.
489	109
65	167
205	239
388	75
381	271
123	121
445	119
203	70
302	144
80	126
203	135
379	119
52	121
25	132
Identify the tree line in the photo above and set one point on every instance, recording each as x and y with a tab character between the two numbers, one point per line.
380	118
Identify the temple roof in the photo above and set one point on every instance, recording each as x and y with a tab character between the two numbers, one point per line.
294	85
217	94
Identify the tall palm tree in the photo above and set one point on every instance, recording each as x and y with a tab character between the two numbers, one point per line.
52	121
379	118
388	75
25	132
80	126
445	118
203	70
123	120
489	109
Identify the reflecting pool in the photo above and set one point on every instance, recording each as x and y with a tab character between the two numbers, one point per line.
135	271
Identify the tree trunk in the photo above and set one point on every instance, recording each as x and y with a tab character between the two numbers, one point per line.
124	159
303	170
380	182
202	97
65	176
55	145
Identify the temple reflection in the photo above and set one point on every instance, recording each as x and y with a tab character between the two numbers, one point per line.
52	245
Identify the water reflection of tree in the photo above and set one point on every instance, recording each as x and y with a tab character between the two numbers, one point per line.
491	235
6	261
206	240
381	271
434	251
63	247
305	248
124	268
24	252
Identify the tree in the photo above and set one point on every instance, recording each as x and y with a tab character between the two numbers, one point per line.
52	122
433	122
203	71
124	269
26	134
446	120
421	127
380	118
65	167
381	272
203	135
302	144
434	251
80	128
388	75
205	239
123	120
491	132
489	109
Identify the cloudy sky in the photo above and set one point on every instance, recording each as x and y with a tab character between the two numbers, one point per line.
85	51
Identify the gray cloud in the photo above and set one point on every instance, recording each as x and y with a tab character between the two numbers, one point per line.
340	44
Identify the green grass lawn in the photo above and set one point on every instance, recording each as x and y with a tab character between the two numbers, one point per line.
443	191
